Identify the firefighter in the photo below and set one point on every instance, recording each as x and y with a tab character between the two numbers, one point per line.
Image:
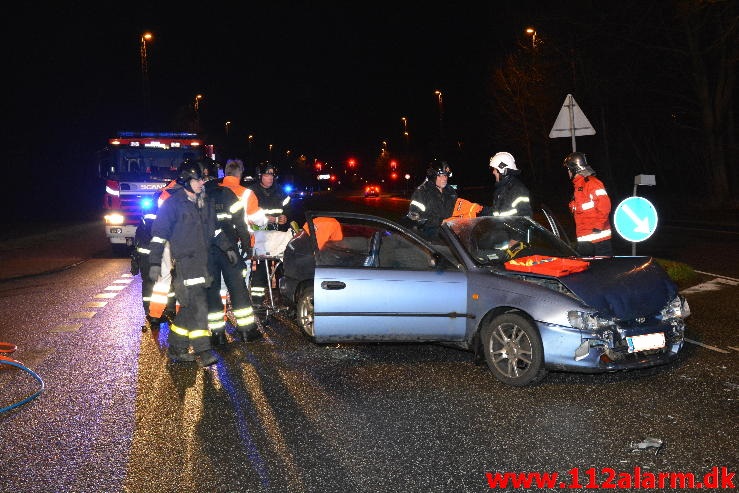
275	205
187	221
163	304
510	197
225	269
140	264
432	201
590	207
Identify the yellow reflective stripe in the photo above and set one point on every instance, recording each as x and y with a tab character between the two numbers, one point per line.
244	321
146	298
143	251
223	215
179	330
214	326
243	312
519	199
150	216
235	207
273	211
194	281
419	205
286	201
157	239
194	334
215	315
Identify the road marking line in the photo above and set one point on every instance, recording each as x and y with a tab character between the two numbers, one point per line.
714	348
712	285
718	275
67	328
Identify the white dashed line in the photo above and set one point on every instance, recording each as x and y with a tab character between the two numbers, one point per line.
713	348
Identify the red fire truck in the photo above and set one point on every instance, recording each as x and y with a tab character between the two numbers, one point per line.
135	165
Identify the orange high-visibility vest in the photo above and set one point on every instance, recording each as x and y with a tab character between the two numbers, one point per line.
463	208
327	229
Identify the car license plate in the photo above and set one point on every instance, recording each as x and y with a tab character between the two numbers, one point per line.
646	342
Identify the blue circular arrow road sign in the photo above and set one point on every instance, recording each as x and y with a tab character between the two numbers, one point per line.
635	219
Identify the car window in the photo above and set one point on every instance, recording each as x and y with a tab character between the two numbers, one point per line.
367	244
497	240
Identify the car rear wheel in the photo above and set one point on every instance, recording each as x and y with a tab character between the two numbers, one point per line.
513	350
304	310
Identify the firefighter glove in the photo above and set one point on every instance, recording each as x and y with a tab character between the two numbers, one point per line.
233	257
154	272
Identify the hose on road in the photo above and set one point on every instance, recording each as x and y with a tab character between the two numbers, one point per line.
5	349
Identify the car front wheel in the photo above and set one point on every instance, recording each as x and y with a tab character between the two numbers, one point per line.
513	350
304	310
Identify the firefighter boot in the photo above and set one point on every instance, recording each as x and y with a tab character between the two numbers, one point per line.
218	338
250	335
180	355
207	358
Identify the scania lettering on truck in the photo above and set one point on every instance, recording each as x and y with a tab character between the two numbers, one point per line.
135	165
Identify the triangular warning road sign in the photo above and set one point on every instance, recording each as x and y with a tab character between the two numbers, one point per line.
571	118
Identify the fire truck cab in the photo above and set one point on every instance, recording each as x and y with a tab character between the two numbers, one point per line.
135	165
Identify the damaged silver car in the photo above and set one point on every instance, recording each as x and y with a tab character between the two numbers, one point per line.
507	289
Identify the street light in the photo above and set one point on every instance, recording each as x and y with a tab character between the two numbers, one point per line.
406	135
228	127
147	36
198	98
532	32
441	116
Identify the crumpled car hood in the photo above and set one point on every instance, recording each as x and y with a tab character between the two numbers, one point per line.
623	287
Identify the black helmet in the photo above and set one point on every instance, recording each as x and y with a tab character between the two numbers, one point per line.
436	168
263	167
577	163
189	170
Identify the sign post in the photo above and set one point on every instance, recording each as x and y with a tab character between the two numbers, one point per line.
571	121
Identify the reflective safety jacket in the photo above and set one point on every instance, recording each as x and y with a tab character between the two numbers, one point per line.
253	214
591	209
272	202
510	198
229	212
190	231
429	207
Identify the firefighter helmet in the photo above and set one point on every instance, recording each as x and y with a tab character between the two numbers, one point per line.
503	162
436	168
263	168
189	170
577	164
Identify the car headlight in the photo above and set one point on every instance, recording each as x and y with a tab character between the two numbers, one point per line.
677	308
591	322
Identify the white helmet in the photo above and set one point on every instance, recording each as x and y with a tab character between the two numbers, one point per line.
503	161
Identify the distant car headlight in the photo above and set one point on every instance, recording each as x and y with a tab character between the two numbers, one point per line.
591	322
114	218
677	308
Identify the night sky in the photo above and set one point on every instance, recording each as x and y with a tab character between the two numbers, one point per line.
327	79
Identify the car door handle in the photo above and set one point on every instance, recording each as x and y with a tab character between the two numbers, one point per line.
332	285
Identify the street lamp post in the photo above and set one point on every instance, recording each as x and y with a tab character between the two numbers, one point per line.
532	32
147	36
406	135
228	127
196	105
441	116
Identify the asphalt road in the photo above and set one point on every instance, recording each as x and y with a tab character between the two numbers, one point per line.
285	415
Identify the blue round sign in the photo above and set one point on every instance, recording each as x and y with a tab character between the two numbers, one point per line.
635	219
